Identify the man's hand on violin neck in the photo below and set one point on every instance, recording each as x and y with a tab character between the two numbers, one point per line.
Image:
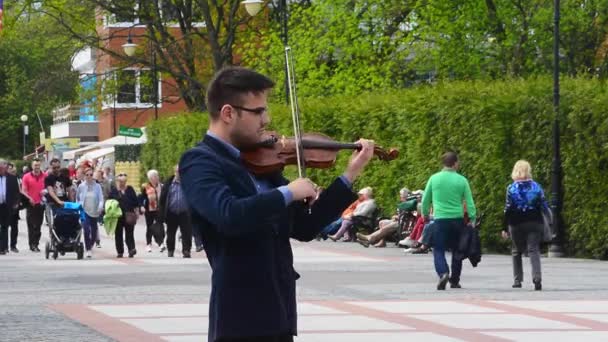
302	188
359	159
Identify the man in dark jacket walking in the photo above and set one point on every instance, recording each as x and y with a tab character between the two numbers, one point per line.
9	203
174	211
246	221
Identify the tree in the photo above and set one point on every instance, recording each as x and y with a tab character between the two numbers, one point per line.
35	74
347	46
190	38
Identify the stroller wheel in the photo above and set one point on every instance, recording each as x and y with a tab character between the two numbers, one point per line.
55	254
47	250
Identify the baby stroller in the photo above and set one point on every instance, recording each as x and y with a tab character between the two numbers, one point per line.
65	231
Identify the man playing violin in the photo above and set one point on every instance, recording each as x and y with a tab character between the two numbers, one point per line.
246	221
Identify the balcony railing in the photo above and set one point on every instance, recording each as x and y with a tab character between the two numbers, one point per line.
68	113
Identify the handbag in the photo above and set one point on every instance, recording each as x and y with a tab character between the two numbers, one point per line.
158	231
131	218
547	224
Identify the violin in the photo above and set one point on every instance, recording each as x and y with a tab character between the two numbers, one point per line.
319	151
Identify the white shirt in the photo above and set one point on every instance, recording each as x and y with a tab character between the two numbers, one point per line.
2	189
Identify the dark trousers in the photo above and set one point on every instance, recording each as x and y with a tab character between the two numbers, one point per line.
526	237
127	230
33	217
447	235
183	222
151	217
277	338
14	225
198	237
5	219
90	231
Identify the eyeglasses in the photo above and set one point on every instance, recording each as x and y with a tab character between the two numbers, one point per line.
89	175
257	111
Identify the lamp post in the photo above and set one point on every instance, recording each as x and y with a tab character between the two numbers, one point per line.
129	48
556	248
253	7
25	131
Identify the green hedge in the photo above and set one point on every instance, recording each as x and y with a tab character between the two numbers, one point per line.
491	125
127	153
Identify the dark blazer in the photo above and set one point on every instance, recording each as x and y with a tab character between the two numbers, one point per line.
12	199
163	201
246	237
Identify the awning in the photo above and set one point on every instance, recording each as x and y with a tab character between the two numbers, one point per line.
98	153
111	142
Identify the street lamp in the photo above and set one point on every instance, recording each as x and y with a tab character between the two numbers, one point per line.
556	248
25	132
253	7
129	48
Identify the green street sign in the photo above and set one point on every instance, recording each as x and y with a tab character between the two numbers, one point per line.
130	131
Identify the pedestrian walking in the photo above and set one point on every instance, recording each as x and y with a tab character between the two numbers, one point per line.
33	185
90	196
524	207
127	199
9	203
446	191
173	210
148	199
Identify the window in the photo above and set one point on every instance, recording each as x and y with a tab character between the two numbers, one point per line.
127	13
126	86
134	88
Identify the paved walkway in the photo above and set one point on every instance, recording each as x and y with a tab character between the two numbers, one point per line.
346	293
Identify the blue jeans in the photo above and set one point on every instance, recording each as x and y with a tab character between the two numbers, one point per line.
447	235
332	228
90	231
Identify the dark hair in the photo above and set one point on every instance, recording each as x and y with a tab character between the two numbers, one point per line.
64	172
230	84
55	160
449	159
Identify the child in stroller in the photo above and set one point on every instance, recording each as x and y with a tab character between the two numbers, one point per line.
65	231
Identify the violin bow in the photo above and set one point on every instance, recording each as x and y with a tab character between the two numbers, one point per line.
295	111
295	114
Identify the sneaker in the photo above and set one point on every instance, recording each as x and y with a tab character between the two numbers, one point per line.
119	255
407	242
97	244
443	280
199	248
149	248
89	255
537	285
516	285
420	250
162	248
132	253
455	285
